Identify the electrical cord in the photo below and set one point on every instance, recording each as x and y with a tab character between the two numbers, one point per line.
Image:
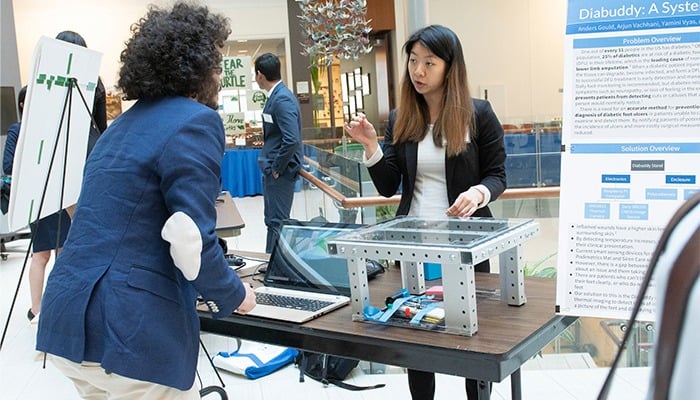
235	269
254	259
258	271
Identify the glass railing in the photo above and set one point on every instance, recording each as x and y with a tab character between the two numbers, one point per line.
335	163
533	154
533	160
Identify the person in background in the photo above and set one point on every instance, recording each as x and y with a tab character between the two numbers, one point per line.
13	135
119	314
48	233
444	148
99	107
281	157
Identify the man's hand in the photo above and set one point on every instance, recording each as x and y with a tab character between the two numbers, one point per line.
249	300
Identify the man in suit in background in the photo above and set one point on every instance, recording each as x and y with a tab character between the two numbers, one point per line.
280	158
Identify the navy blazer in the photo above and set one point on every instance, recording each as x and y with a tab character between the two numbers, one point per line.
483	162
281	150
142	246
8	157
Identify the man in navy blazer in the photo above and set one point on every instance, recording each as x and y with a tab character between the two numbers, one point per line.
281	156
119	312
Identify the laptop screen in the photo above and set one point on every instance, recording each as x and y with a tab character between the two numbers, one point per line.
300	259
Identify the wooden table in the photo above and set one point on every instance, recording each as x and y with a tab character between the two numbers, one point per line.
507	337
228	220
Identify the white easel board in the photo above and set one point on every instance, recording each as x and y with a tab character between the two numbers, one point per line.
49	113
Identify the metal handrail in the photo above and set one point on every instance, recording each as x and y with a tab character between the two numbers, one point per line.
372	201
342	179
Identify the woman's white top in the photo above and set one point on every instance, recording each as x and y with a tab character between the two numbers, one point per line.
430	190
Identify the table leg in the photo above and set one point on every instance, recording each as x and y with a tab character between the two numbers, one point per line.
484	390
515	385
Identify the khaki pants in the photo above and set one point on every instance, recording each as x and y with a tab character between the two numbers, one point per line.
93	383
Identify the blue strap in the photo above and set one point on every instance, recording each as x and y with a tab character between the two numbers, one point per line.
424	311
375	314
286	357
262	369
252	357
371	313
396	305
398	300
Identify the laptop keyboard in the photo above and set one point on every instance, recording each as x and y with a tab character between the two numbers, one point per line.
296	303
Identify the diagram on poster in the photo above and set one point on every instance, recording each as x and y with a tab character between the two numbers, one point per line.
50	153
632	149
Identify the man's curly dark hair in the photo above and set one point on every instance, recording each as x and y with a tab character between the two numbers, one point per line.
174	53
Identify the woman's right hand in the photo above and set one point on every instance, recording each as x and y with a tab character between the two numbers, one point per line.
363	132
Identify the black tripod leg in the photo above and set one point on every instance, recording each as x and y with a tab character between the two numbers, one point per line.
14	298
211	362
66	106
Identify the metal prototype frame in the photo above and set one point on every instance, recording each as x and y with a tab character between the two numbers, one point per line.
457	244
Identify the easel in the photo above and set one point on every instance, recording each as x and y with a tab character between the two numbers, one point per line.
67	105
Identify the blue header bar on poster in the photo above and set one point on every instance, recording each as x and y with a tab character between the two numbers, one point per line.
596	16
637	40
635	148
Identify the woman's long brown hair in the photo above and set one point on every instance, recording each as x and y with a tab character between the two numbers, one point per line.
456	116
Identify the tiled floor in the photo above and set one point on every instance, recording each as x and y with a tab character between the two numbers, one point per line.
560	377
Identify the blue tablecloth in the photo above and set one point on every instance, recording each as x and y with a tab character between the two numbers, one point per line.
240	174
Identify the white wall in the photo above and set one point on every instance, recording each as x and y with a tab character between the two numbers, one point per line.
517	45
8	58
105	24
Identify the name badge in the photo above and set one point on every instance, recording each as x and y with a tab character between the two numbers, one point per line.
267	118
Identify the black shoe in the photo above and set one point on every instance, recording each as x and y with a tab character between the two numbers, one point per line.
30	314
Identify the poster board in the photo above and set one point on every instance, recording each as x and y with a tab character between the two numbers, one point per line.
256	99
631	146
50	154
236	73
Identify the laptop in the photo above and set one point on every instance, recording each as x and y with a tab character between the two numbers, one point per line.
300	271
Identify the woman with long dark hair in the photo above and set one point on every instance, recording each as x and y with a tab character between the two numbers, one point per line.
444	148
